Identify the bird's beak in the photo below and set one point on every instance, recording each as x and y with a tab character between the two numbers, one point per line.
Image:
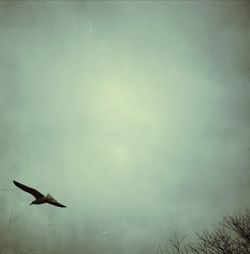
30	203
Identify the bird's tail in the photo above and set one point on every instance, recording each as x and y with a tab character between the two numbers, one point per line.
48	196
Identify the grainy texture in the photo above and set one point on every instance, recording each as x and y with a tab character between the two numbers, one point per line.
135	114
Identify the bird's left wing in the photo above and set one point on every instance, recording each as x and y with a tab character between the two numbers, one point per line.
32	191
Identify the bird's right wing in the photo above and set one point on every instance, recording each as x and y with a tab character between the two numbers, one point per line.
52	201
56	203
32	191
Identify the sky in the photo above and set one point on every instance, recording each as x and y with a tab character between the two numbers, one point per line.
134	114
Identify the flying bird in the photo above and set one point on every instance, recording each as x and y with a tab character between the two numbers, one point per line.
40	198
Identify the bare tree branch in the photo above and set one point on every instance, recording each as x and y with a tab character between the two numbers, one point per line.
232	236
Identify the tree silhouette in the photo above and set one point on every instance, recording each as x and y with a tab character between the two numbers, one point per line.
231	236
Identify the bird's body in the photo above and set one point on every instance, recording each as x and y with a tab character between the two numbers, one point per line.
40	198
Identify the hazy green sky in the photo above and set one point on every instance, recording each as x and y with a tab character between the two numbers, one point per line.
134	114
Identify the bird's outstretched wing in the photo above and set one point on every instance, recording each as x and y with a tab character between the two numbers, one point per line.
49	199
56	203
32	191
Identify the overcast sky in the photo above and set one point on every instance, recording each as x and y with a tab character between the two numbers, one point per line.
133	114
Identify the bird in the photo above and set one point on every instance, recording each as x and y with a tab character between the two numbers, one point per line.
40	198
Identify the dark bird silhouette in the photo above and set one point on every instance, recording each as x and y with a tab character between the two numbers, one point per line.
40	198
